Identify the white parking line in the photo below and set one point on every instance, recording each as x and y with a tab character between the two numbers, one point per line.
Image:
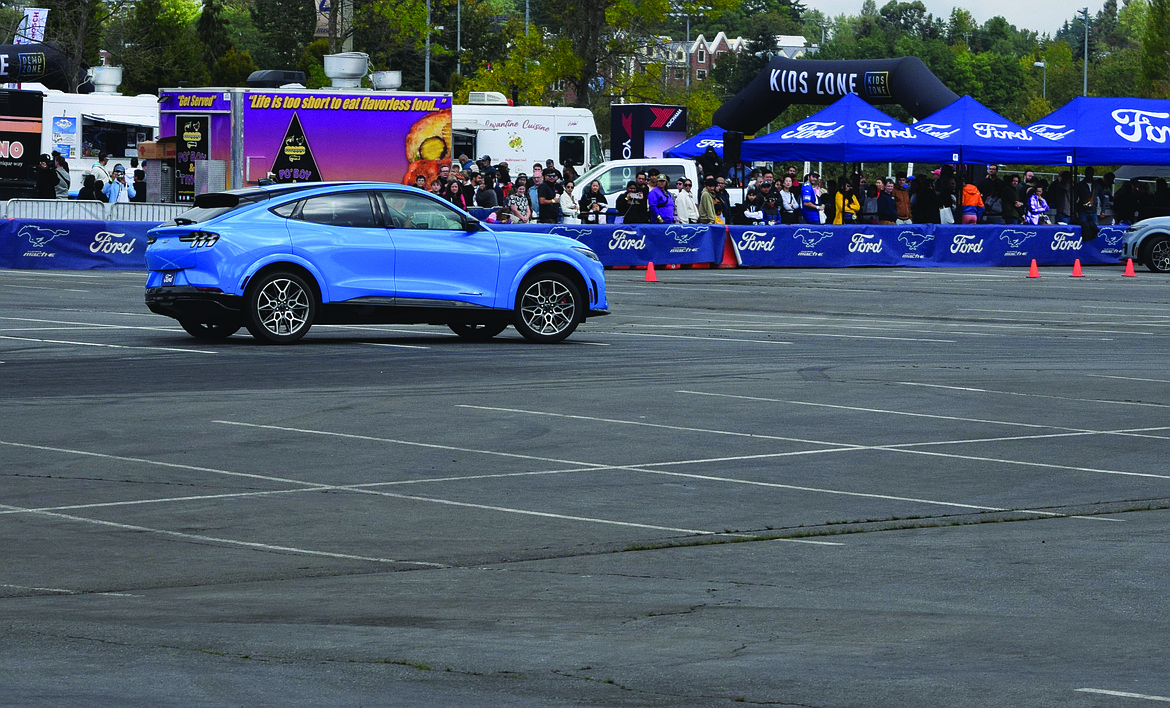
1032	395
110	346
220	540
704	339
680	428
841	447
1136	433
42	287
1126	378
393	346
60	591
93	325
878	410
1124	694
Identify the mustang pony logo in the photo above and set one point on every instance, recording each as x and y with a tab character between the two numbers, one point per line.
570	232
1014	238
1111	237
684	234
810	238
915	240
38	236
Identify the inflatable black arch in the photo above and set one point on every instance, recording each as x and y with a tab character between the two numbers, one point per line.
42	63
905	81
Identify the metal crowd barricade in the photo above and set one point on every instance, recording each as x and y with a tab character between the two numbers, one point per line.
70	209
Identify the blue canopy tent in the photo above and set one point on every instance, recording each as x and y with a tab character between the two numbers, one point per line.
849	130
979	134
696	145
1110	131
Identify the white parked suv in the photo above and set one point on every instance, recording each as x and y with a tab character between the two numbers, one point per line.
1148	242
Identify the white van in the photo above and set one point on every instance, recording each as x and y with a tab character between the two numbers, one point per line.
522	136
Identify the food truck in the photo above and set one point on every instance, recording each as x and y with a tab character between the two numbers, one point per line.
225	138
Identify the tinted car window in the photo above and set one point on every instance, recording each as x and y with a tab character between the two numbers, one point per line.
342	209
414	211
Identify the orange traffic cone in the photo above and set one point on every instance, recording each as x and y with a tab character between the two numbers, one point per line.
1033	272
650	277
729	259
1077	269
1129	269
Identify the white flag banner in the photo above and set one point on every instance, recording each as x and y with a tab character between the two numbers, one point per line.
32	27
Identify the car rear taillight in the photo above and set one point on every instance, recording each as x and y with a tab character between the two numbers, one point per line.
200	238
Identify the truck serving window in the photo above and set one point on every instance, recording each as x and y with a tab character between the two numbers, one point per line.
572	150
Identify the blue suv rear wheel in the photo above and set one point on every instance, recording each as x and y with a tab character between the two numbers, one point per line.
280	307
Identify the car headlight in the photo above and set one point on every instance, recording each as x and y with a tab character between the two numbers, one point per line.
587	253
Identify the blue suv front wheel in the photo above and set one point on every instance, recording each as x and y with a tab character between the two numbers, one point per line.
548	307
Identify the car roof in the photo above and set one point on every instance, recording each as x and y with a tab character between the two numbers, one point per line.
259	193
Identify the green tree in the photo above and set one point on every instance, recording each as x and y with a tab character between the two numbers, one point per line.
1155	56
76	26
159	48
232	69
286	27
211	30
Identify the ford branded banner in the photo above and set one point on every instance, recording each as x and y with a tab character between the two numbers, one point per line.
823	246
74	245
121	244
639	244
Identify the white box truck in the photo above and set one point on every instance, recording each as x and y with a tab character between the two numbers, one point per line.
522	136
79	126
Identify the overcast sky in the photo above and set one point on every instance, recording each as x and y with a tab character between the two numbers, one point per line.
1038	15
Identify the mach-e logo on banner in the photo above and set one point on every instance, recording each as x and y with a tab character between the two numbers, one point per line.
664	117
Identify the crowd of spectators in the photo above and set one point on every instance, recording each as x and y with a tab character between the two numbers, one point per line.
102	183
946	197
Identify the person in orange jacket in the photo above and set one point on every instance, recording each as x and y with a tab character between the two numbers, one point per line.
972	204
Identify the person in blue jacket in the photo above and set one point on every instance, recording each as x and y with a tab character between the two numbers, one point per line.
118	190
660	203
810	203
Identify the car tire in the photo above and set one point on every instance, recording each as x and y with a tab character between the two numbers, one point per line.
548	307
1157	254
478	332
280	307
204	330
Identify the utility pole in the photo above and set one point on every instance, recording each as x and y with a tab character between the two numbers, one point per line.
427	61
1085	88
688	14
459	37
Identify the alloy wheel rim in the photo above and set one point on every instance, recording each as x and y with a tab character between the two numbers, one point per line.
283	306
548	307
1161	255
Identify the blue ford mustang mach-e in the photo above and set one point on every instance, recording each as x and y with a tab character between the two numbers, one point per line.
280	258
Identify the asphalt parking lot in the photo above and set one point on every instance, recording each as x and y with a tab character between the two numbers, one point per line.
862	487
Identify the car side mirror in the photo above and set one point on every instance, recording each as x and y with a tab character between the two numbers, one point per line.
471	224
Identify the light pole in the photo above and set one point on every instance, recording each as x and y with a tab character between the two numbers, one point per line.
688	16
1085	88
427	61
1043	65
459	37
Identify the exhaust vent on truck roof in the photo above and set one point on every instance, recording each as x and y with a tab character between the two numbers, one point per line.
275	78
488	98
